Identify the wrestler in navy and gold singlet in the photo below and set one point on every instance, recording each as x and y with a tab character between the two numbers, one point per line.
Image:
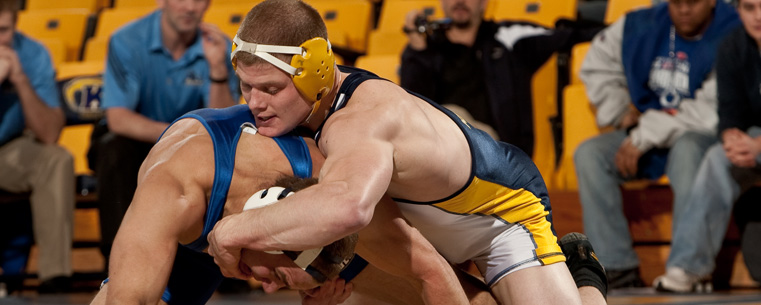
501	219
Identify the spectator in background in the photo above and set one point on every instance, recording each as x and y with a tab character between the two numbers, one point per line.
30	124
158	68
481	66
649	75
729	168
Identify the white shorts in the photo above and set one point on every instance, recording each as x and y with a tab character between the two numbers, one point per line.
496	247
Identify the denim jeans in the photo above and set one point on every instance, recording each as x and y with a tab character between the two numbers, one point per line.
699	235
604	222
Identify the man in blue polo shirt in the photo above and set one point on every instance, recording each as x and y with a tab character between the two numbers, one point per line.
30	123
158	68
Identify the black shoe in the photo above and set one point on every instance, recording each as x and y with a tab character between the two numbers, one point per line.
58	284
582	262
12	284
233	286
628	278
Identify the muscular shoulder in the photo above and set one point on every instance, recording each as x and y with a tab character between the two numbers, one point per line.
375	103
184	153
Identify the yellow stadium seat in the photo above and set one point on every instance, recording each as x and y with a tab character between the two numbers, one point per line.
578	52
111	20
394	13
386	43
76	139
578	125
91	6
66	24
227	16
353	18
56	48
104	3
77	68
617	8
544	102
542	12
386	66
96	49
134	3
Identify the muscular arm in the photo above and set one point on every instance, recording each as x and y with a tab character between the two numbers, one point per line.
44	121
131	124
354	177
168	200
215	47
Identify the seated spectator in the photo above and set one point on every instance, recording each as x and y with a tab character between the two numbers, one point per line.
649	75
158	68
729	168
31	121
481	66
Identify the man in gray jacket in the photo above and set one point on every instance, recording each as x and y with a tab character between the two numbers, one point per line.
650	77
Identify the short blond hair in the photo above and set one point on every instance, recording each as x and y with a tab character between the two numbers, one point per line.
279	22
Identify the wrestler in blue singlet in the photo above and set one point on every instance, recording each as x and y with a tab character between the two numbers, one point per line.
194	276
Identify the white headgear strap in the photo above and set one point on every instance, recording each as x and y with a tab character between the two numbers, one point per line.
263	51
269	196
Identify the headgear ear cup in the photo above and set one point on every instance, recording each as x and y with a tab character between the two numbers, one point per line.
316	74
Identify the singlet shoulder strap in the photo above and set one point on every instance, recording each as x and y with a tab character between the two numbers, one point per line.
351	82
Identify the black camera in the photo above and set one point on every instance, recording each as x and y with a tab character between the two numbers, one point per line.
425	26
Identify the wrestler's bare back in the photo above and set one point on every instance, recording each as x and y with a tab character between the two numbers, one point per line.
259	162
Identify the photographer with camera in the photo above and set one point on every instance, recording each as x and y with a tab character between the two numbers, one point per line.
482	66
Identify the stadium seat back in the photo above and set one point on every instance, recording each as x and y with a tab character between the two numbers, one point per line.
542	12
135	3
386	66
394	13
91	6
96	49
386	43
112	19
578	125
618	8
350	19
69	25
544	102
227	16
578	52
56	48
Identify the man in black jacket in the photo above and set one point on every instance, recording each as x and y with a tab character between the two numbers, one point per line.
483	66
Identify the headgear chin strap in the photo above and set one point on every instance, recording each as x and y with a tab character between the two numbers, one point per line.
312	66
